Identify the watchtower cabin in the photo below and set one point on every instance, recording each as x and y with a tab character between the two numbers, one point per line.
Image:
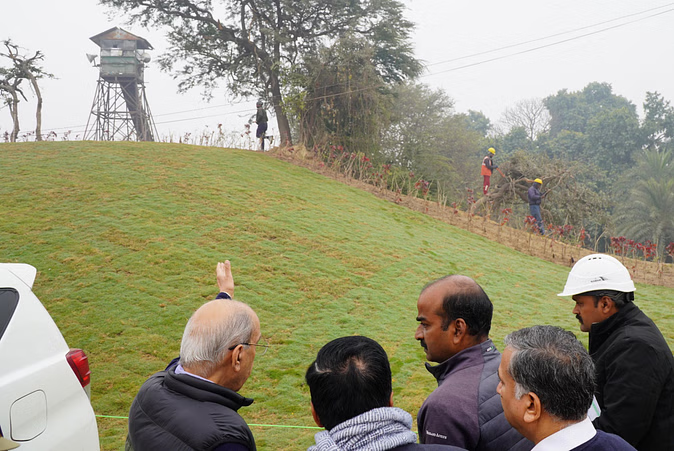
120	111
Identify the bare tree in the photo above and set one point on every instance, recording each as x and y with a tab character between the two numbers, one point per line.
30	69
9	91
530	114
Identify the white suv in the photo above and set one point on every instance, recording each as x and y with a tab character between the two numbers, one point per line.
44	385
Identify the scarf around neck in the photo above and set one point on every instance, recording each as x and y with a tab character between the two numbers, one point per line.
376	430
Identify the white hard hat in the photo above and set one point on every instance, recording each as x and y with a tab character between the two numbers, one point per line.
598	272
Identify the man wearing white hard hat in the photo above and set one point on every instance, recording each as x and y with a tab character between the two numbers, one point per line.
635	367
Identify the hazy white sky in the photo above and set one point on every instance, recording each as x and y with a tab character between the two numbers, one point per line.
625	43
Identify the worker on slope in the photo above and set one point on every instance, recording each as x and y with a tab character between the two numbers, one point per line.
534	194
487	167
262	121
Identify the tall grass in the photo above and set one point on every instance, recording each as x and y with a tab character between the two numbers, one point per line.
125	237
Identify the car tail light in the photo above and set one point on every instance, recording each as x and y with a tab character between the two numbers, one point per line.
80	364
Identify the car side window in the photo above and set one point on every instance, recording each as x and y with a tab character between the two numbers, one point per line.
9	299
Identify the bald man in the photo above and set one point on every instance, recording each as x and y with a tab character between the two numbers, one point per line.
454	315
193	403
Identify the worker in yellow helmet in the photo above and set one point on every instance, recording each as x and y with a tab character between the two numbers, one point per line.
487	167
535	197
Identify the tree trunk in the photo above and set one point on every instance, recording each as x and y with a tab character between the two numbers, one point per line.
38	110
13	108
281	116
14	111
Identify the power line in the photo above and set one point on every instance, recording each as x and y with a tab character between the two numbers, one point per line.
547	45
550	36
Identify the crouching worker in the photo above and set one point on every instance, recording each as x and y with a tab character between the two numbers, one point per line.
193	404
546	386
352	397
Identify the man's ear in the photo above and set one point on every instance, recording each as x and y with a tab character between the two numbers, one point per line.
460	329
235	358
533	409
315	415
606	304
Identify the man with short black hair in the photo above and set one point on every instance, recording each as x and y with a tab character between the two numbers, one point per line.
454	315
193	403
546	388
634	364
352	397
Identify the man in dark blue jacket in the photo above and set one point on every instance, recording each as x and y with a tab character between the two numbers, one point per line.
352	397
546	387
535	196
454	315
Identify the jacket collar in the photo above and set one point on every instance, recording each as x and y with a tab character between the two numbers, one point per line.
201	390
465	359
599	332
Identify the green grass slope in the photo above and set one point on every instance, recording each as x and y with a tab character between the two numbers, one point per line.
126	236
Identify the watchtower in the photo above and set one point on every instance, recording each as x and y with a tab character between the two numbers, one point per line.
120	110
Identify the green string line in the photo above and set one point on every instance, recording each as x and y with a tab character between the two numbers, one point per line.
249	424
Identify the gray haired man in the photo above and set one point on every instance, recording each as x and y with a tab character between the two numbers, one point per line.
193	403
546	387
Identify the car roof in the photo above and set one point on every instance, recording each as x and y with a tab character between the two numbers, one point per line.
23	271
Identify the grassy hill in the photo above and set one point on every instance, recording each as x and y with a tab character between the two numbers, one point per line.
126	236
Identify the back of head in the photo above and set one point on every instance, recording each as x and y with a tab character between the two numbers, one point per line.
211	330
350	376
598	272
464	298
553	364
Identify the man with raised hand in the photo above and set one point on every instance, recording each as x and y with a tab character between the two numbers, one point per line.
634	364
352	398
193	404
454	315
546	388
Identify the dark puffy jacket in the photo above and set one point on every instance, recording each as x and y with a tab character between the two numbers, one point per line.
180	412
465	409
418	447
534	195
635	379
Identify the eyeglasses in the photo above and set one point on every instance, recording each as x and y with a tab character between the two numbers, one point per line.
262	343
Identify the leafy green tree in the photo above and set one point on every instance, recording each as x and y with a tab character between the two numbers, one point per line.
595	126
341	99
647	213
256	45
568	145
517	138
572	111
429	139
658	124
612	137
477	121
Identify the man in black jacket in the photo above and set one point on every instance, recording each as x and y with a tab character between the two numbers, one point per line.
192	405
634	365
